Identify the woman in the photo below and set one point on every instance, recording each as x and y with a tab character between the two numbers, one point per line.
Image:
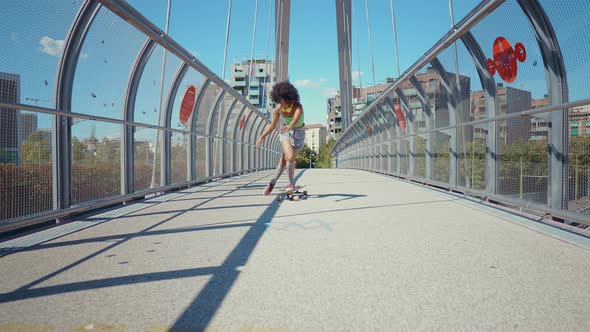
292	134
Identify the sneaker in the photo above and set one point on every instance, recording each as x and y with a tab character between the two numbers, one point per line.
269	188
290	188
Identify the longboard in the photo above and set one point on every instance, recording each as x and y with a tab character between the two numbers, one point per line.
295	195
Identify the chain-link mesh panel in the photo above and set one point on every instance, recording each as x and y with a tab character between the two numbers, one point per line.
103	68
201	153
234	122
146	162
217	156
394	156
192	80
579	159
179	153
572	28
224	107
206	107
404	156
147	104
525	84
96	156
420	157
441	161
229	146
31	46
25	164
523	166
472	157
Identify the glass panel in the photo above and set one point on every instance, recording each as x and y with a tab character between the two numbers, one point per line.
96	156
26	175
31	47
102	72
146	159
179	155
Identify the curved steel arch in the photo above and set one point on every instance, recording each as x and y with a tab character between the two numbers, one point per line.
166	156
192	121
62	147
127	155
209	139
558	196
243	143
256	149
224	135
234	142
489	87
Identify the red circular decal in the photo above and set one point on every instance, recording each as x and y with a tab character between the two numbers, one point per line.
400	116
188	103
505	59
242	122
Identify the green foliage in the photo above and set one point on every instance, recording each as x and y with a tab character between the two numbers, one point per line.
324	159
35	150
302	159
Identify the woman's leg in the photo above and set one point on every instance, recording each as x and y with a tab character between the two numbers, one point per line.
279	170
290	153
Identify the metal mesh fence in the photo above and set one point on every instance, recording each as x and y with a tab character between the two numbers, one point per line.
179	156
25	169
96	160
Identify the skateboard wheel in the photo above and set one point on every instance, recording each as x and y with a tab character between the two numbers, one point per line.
295	198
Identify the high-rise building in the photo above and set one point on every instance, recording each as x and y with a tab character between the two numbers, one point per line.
28	124
315	136
334	123
9	117
254	79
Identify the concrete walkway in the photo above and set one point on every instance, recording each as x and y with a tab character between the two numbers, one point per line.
364	252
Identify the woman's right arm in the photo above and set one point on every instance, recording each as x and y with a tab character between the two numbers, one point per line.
275	120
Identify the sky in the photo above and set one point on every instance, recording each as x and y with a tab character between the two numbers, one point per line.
200	27
31	45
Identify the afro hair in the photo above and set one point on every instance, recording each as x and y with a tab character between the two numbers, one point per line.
286	91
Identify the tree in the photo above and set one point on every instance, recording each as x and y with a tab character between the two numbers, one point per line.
302	159
324	158
35	149
77	149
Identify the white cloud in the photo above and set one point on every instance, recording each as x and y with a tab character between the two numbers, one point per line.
83	55
329	92
51	46
311	84
356	75
13	36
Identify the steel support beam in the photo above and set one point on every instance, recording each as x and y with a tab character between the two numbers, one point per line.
555	72
62	133
128	132
282	23
344	28
489	87
166	160
209	140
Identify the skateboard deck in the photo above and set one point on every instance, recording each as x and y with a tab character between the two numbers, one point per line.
292	195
